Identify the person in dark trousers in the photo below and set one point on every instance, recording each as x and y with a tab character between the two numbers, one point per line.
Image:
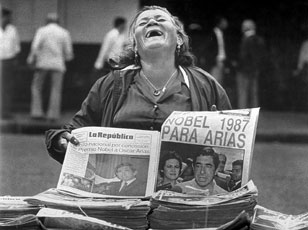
9	50
251	57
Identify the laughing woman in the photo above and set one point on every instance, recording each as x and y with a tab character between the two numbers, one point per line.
154	77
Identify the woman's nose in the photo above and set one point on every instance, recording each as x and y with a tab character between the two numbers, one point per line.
151	22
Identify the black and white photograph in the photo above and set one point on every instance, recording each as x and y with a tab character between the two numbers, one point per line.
75	75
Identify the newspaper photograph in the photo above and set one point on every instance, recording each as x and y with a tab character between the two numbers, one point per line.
111	162
208	152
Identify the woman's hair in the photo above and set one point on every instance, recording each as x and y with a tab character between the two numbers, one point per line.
167	156
183	56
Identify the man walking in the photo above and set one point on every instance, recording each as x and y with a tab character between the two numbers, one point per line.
51	48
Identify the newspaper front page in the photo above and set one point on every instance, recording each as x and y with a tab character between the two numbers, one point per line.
230	134
111	162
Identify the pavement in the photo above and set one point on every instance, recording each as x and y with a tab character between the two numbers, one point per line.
272	125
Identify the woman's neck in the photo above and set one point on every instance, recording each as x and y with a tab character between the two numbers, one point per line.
159	70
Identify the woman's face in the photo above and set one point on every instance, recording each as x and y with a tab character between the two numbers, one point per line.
155	30
172	169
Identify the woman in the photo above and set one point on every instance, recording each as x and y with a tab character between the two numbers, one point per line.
155	77
170	167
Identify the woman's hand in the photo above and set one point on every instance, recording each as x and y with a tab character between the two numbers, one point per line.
65	138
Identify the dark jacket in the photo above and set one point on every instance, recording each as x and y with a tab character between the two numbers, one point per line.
252	54
100	105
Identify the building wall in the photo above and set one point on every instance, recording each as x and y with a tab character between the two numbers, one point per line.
87	20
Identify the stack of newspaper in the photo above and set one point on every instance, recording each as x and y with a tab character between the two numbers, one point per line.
179	211
266	219
15	211
112	174
125	213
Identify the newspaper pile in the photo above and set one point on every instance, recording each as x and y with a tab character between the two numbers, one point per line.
14	210
113	173
173	210
266	219
107	176
116	213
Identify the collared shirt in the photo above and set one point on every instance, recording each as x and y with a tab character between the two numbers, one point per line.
51	47
142	110
249	33
9	42
221	45
191	187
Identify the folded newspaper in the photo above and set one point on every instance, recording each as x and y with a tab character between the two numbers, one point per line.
111	162
229	134
171	210
121	163
61	219
165	196
14	206
266	219
130	213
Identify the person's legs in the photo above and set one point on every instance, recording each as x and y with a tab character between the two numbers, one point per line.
55	99
36	108
254	92
8	71
242	90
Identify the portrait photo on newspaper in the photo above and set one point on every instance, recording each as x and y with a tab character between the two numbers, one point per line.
208	152
111	162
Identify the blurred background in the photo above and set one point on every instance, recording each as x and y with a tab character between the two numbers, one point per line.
283	25
279	166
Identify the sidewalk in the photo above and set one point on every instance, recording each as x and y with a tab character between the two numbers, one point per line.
272	125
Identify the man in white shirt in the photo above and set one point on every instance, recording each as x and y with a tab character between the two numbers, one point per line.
216	50
50	49
9	49
205	164
112	46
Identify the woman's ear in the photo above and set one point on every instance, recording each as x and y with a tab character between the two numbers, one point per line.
179	41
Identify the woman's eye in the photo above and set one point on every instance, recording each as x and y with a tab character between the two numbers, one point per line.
141	23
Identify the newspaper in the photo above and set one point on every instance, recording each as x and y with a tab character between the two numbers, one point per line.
62	219
266	219
230	133
57	198
246	190
111	162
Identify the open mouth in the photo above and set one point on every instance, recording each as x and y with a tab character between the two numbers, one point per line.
153	33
